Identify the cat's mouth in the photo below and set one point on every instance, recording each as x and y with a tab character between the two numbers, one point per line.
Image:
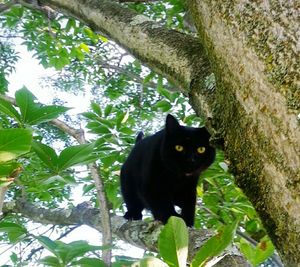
192	171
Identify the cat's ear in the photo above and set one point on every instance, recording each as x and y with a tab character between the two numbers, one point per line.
171	124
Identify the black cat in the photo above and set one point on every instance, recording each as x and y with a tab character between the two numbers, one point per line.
162	171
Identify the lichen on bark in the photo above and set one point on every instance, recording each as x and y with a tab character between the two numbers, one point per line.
252	111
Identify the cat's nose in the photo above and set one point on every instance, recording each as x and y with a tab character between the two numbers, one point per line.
192	158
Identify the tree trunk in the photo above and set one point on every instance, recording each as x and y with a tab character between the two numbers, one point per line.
253	48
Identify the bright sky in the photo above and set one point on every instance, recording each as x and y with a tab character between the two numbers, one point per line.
28	73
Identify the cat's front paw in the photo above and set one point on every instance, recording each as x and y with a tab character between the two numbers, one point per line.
131	216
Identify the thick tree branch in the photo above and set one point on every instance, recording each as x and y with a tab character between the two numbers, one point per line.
155	45
138	233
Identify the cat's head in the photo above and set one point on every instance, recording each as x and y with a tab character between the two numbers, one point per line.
186	150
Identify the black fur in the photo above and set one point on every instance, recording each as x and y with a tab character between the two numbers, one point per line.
156	176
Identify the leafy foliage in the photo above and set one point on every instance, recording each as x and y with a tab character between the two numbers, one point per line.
65	254
126	97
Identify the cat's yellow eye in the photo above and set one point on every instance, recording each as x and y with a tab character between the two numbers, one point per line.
179	148
201	149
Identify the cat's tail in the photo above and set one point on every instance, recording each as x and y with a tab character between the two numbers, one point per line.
139	137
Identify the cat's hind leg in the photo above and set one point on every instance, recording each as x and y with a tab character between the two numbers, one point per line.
133	202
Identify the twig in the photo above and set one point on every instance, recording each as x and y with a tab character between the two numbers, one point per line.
134	77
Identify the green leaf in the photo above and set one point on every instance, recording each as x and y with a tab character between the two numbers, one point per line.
173	242
13	143
164	105
70	24
39	114
13	16
149	77
96	108
215	245
33	113
16	236
90	115
47	243
84	47
103	38
24	98
258	254
88	188
79	54
126	130
76	249
13	230
14	258
6	169
8	109
46	154
11	227
74	155
125	118
108	110
89	262
110	159
51	261
99	129
164	92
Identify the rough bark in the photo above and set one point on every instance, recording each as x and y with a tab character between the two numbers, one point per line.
253	48
138	233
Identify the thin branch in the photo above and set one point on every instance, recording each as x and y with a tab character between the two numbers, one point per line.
105	218
8	99
3	191
134	77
